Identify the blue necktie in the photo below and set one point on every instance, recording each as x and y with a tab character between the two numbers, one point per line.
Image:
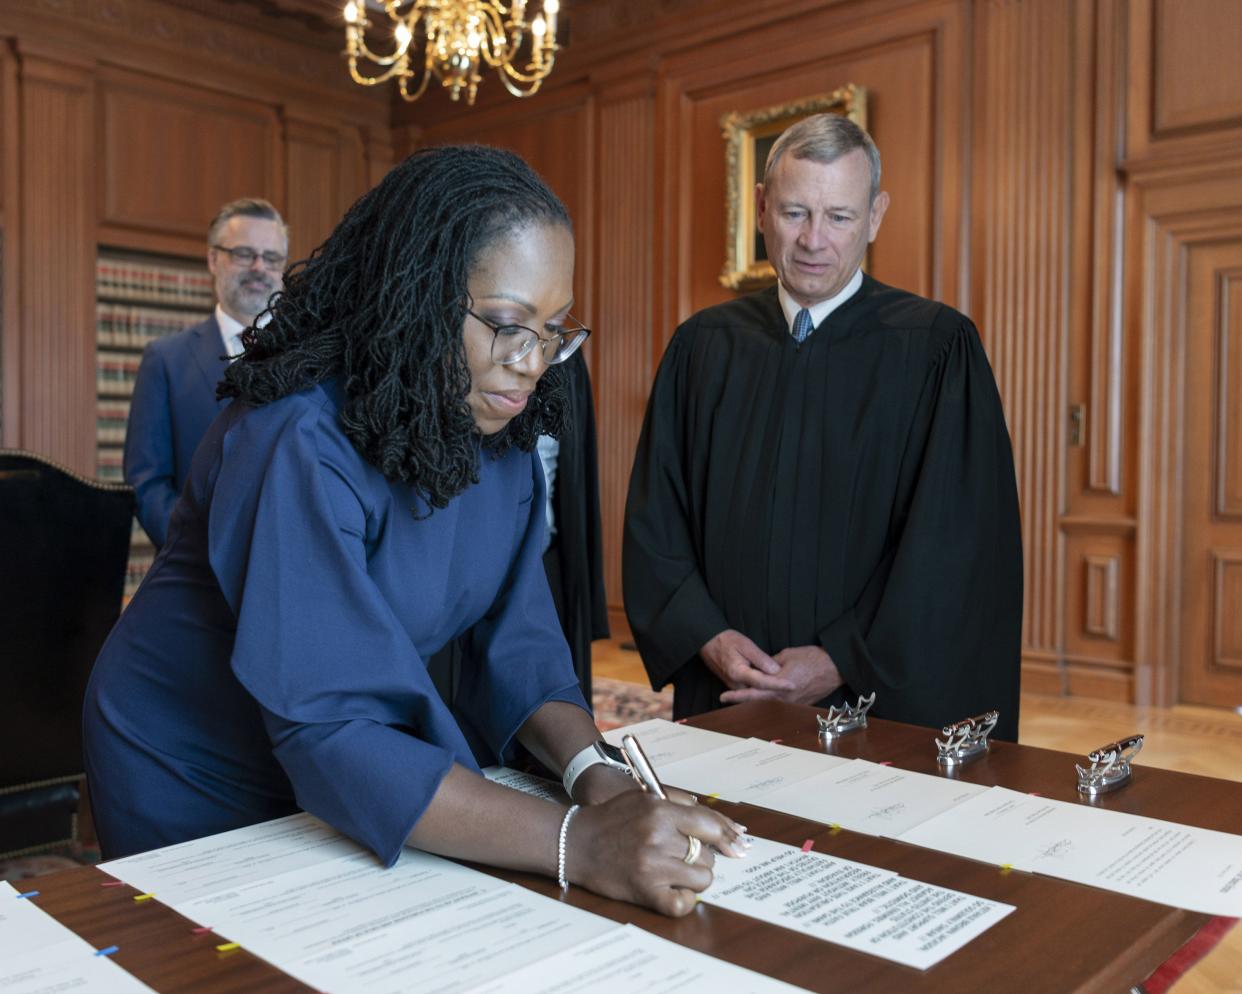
802	325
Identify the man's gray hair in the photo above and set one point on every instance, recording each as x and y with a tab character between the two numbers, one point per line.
245	207
824	138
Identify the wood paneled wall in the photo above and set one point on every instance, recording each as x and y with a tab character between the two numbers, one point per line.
1051	163
1069	172
128	123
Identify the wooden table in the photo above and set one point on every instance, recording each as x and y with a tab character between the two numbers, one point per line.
1063	937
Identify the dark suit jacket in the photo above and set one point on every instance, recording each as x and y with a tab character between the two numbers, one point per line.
173	405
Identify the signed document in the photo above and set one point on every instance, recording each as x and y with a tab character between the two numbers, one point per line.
1187	867
869	798
861	907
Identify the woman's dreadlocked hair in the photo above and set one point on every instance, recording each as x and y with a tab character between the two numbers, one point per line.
382	303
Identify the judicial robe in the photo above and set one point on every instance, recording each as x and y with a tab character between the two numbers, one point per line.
577	548
854	492
274	658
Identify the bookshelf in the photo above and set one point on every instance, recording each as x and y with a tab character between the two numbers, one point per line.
138	297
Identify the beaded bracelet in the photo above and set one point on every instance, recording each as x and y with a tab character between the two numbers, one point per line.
560	847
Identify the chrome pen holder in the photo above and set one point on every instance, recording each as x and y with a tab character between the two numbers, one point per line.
965	740
1110	767
845	719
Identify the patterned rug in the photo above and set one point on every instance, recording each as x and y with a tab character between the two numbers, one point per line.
619	703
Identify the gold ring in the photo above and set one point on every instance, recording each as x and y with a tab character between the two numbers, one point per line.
692	850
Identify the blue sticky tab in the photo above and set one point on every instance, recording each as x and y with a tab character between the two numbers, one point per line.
29	893
107	951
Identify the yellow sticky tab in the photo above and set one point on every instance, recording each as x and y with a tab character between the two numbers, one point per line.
227	947
143	897
834	828
1006	869
713	797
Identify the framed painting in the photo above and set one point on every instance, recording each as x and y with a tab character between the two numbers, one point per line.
749	136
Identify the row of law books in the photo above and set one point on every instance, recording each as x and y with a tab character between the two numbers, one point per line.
148	281
111	417
138	299
115	374
132	326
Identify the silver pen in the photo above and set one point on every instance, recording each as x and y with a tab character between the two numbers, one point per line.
641	766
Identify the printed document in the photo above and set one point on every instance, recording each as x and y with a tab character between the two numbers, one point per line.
1187	867
861	907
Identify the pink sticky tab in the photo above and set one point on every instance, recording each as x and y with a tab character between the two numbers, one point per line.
680	721
886	763
1035	793
777	741
113	883
203	930
808	845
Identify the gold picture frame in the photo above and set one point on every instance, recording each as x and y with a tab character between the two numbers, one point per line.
748	136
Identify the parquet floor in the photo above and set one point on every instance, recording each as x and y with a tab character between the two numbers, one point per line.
1206	741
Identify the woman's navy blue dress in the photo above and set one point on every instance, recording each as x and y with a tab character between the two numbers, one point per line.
273	658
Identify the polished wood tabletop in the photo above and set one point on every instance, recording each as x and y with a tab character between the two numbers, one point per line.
1063	937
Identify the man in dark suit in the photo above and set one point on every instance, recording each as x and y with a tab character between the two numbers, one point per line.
174	398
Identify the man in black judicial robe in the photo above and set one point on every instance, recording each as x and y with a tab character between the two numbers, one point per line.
823	500
574	560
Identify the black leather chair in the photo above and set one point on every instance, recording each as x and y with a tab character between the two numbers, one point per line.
64	542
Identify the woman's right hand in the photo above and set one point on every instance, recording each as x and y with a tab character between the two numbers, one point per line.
633	848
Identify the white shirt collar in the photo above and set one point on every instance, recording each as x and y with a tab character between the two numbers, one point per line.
822	309
231	331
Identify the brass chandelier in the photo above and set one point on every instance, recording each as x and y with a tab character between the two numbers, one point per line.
452	40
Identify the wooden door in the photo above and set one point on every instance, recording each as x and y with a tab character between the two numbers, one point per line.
1211	657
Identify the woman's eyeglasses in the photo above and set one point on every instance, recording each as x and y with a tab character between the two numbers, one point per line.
514	342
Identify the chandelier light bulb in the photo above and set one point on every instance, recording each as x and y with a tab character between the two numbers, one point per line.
460	39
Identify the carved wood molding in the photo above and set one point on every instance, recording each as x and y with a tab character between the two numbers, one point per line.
1229	396
604	33
1169	219
203	43
56	363
625	364
1227	594
1024	197
1102	610
1104	450
1097	524
1179	100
